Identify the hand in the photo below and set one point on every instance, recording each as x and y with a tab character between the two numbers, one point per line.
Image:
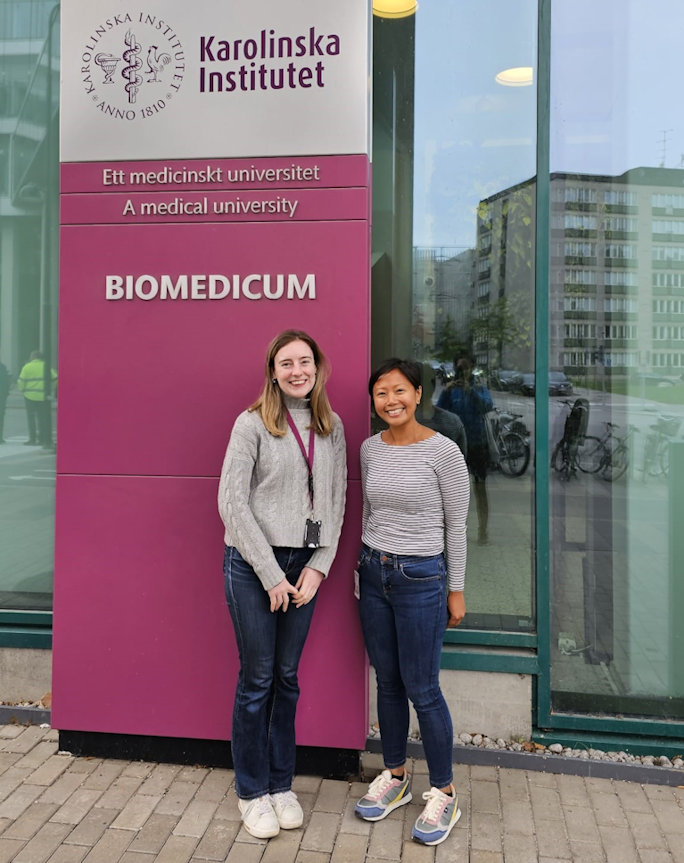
307	585
280	595
456	607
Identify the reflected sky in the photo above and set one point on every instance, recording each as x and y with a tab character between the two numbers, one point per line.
473	137
615	87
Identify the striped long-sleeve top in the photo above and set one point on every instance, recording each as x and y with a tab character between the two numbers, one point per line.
415	500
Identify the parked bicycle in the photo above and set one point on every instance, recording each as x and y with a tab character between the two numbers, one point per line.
593	451
607	456
565	458
509	442
657	446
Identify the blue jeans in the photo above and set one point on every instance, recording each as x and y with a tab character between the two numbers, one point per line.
403	617
269	645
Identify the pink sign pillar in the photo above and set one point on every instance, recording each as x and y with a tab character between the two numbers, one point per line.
215	190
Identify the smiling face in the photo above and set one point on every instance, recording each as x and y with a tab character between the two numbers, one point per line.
294	369
395	399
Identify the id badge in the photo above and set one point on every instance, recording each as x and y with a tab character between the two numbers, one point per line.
312	534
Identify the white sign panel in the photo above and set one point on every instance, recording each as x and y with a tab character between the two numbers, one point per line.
163	79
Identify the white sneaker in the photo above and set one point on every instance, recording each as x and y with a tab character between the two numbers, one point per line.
287	809
259	817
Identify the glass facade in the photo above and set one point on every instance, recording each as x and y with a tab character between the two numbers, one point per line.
499	192
615	327
454	258
586	527
29	94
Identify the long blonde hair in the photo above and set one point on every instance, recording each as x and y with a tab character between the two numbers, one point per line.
271	405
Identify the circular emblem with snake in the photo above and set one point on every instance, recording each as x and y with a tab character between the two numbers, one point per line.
132	65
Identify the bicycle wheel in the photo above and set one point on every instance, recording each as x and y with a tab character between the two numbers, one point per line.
560	460
557	456
514	454
664	456
650	466
657	462
591	454
615	464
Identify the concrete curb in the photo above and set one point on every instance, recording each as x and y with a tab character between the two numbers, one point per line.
548	763
14	715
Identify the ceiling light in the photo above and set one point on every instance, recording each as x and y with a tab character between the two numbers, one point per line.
394	8
519	76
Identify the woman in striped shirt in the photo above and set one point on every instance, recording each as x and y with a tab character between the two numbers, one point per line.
411	577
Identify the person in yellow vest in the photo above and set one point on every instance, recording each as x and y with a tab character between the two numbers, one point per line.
31	382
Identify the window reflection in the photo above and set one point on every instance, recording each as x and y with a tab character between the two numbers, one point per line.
616	290
29	92
453	184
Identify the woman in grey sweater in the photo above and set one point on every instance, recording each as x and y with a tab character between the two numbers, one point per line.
281	499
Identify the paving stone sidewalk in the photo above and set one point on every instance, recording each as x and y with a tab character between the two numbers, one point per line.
56	808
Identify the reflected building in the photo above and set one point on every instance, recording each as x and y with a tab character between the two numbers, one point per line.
617	259
443	298
616	283
502	335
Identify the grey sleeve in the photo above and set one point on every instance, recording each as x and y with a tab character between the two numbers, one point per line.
454	485
323	557
233	502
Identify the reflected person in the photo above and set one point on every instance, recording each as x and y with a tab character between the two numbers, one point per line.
471	400
31	382
438	419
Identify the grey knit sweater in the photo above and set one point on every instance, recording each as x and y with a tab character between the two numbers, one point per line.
263	495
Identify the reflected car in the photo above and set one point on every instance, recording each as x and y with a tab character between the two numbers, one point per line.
506	380
559	384
446	372
527	384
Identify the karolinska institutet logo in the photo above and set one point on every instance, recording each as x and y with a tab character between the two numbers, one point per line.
132	65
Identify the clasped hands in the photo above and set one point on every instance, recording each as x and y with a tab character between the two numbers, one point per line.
300	593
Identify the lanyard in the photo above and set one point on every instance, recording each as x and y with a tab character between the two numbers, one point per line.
309	459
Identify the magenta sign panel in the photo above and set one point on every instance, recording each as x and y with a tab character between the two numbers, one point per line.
215	190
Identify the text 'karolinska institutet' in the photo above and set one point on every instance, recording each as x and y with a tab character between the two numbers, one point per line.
179	182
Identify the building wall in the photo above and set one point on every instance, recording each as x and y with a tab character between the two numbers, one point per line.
455	240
